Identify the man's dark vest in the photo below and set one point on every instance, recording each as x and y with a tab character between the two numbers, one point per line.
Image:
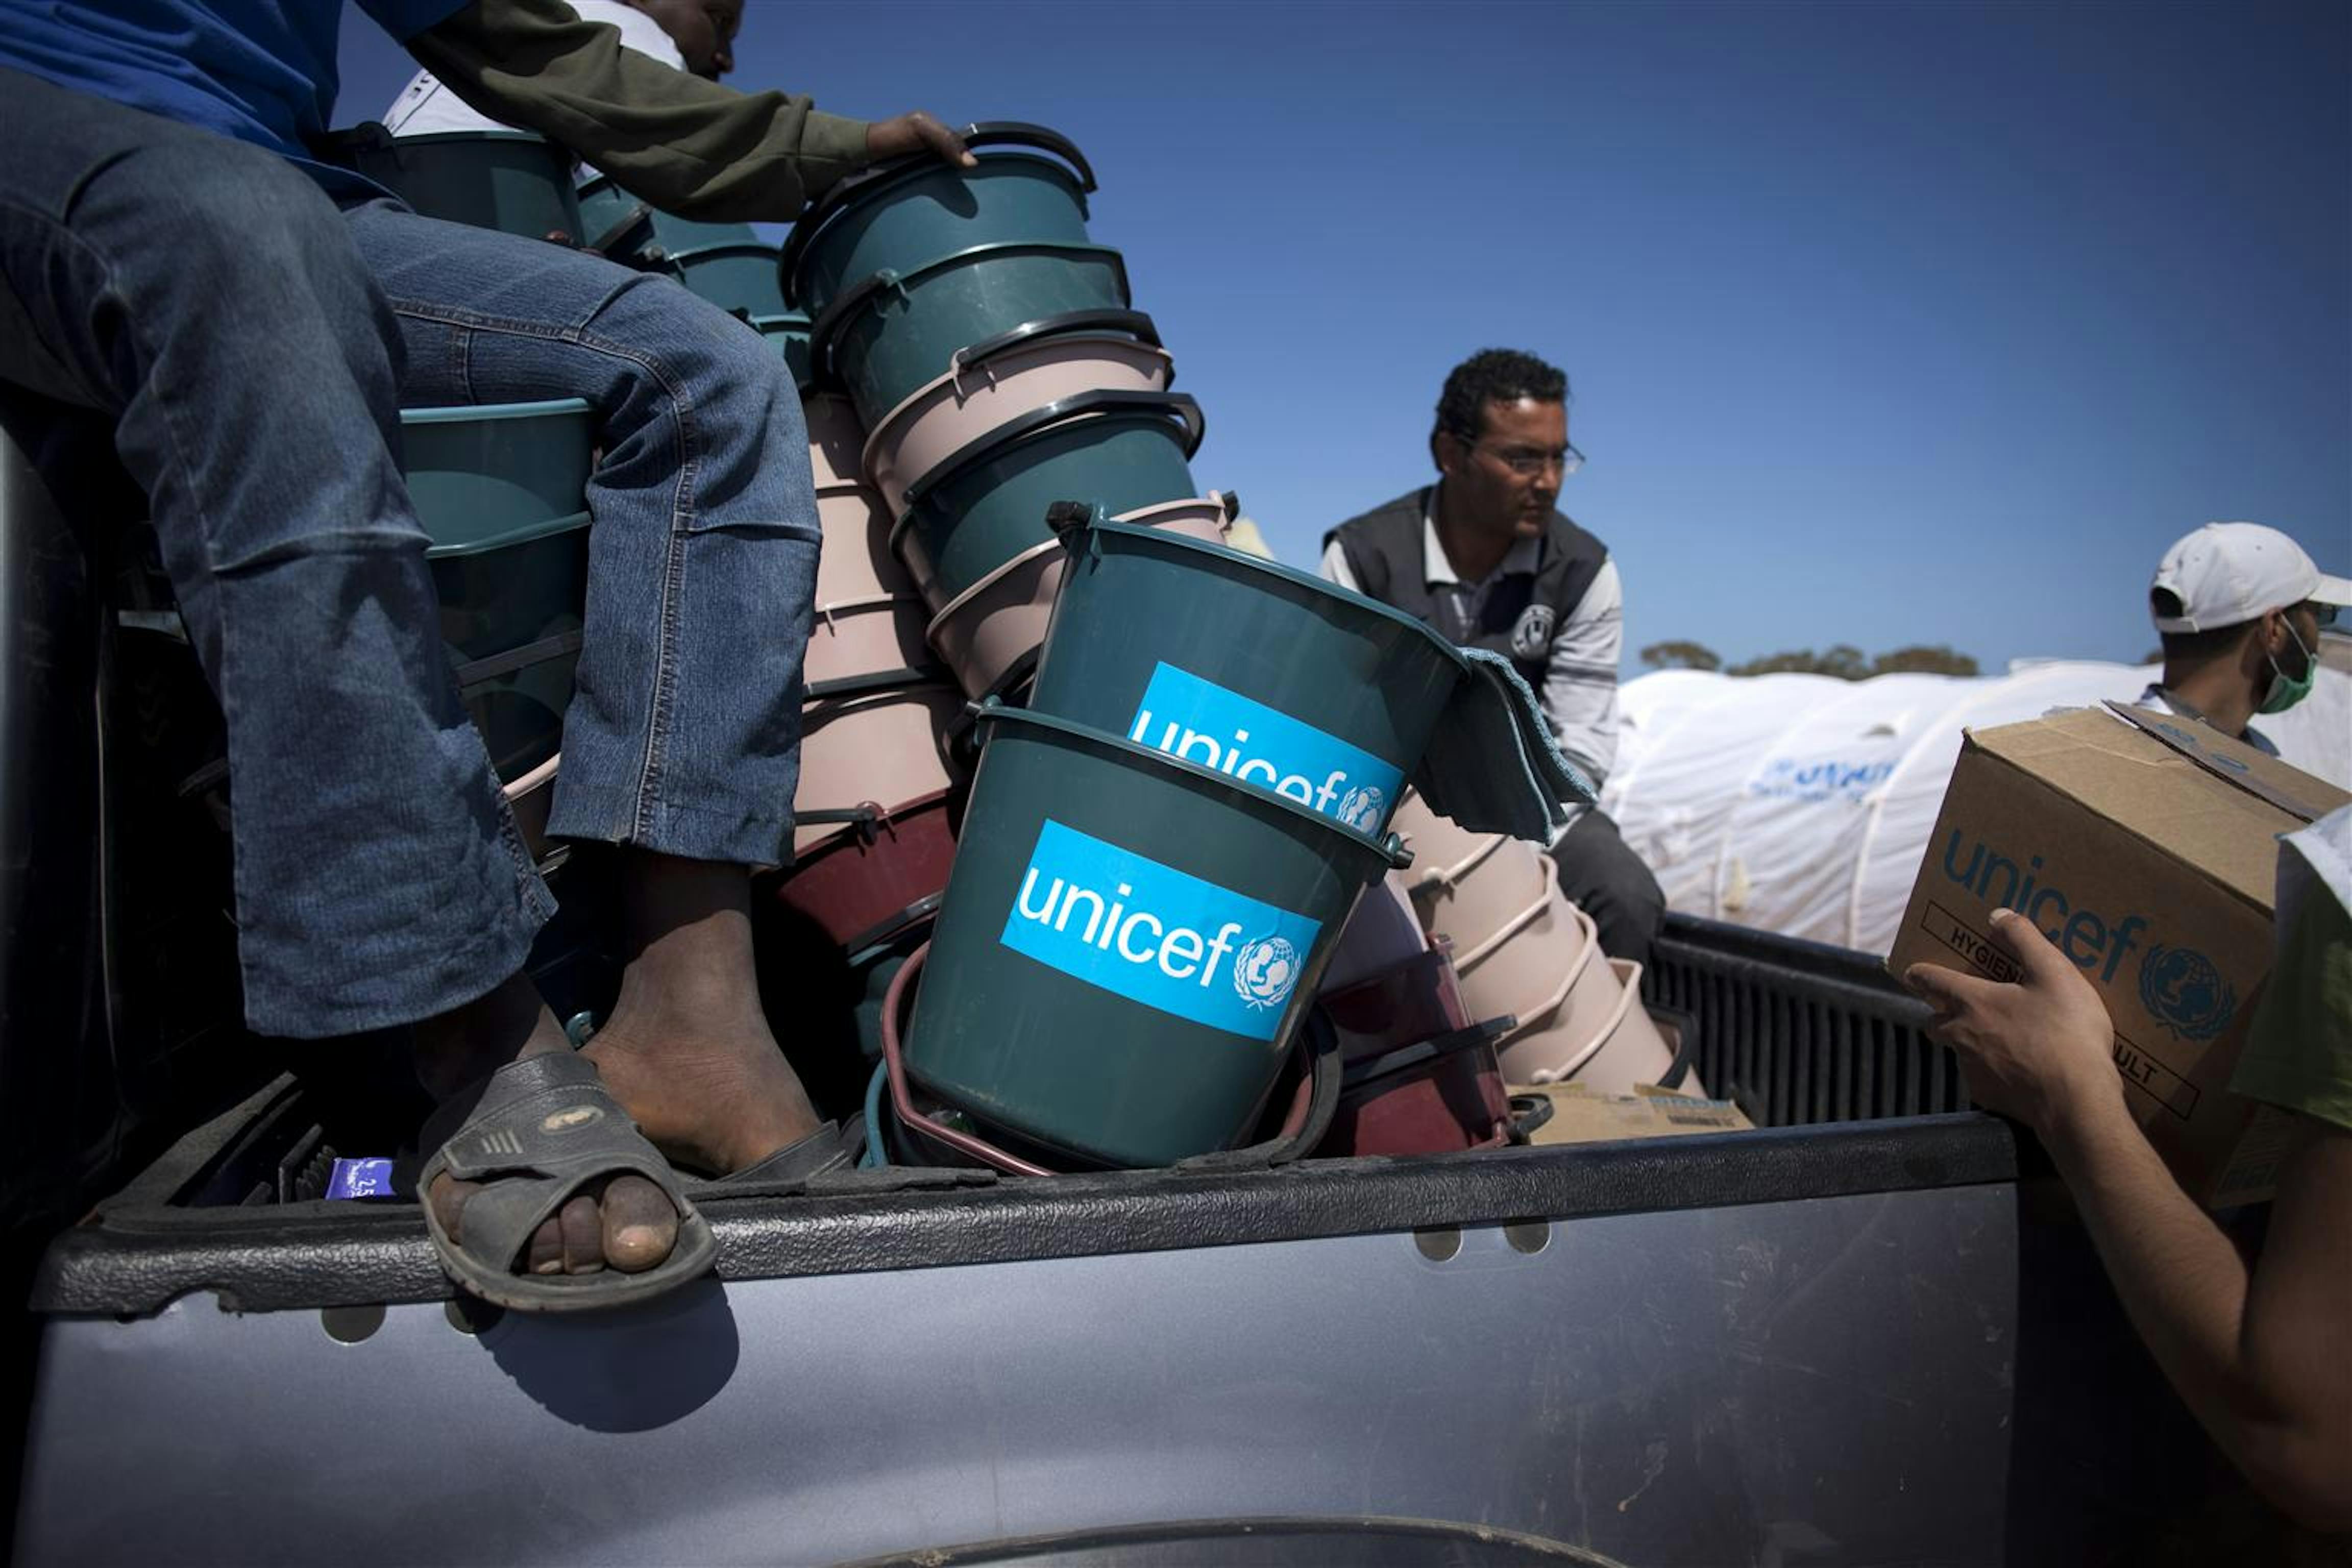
1522	612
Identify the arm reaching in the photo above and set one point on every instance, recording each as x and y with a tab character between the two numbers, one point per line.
2260	1358
686	145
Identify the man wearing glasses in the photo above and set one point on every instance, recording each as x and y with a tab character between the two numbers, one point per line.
2240	608
1484	557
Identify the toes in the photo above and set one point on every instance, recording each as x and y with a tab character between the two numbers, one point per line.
640	1224
545	1252
584	1241
449	1199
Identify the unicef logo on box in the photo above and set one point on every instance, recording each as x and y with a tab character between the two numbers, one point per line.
1157	936
1202	722
2186	992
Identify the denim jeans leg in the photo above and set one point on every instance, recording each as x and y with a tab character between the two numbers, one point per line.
684	736
207	296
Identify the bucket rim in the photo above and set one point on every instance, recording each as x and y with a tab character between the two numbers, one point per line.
723	248
923	399
861	187
828	322
1389	849
522	533
1077	408
1101	525
458	413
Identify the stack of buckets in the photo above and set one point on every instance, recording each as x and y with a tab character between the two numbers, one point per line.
1161	850
1521	950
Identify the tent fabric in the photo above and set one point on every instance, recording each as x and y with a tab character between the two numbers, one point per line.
1801	805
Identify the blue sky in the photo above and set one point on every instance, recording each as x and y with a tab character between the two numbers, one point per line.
1887	323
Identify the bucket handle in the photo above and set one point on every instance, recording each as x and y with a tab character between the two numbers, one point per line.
1544	1010
990	709
477	671
880	680
1133	322
828	322
894	1002
1077	405
1437	1046
516	788
1516	924
1529	1112
1629	978
1451	875
877	602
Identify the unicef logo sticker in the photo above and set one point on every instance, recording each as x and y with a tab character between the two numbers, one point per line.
2183	991
1266	971
1362	806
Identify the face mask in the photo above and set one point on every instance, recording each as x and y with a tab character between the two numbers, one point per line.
2286	690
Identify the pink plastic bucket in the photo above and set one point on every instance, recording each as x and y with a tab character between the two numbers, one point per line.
866	637
973	401
882	745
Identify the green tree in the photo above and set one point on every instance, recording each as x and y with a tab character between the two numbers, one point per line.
1681	655
1938	659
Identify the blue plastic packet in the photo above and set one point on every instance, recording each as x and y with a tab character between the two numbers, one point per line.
361	1179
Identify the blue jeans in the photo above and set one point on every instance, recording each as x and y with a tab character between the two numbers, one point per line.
252	345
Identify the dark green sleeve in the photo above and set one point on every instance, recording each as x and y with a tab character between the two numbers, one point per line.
686	145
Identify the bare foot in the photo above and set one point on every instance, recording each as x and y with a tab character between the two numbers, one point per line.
688	1052
626	1223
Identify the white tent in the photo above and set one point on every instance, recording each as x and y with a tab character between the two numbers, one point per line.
1801	804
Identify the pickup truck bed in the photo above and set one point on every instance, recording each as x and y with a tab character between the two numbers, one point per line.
1847	1337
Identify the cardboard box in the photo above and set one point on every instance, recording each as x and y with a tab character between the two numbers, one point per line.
2146	847
1580	1116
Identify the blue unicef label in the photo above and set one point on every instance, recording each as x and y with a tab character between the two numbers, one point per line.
1202	722
1157	935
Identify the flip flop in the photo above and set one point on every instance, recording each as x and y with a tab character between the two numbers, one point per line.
832	1147
535	1133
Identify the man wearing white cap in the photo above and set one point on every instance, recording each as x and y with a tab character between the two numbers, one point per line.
2240	608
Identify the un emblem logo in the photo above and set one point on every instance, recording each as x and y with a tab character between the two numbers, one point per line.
1266	971
1532	637
2183	991
1361	808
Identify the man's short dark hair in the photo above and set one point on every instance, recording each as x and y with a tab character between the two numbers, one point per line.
1495	376
2194	650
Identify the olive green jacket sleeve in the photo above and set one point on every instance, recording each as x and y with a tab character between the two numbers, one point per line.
686	145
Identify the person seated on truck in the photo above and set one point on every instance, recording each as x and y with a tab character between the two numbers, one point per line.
2240	608
247	319
1485	558
696	35
2259	1354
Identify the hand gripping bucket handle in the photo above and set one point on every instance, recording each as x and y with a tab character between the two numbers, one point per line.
1309	1116
979	133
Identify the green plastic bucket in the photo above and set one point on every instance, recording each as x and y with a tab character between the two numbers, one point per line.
1264	673
893	333
739	277
509	179
520	711
903	214
788	334
1127	945
611	220
986	504
481	472
512	590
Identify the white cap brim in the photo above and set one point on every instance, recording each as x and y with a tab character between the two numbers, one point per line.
2336	591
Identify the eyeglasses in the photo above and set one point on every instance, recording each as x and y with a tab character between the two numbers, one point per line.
1527	462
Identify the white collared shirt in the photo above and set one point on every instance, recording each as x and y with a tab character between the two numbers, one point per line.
424	107
1580	685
